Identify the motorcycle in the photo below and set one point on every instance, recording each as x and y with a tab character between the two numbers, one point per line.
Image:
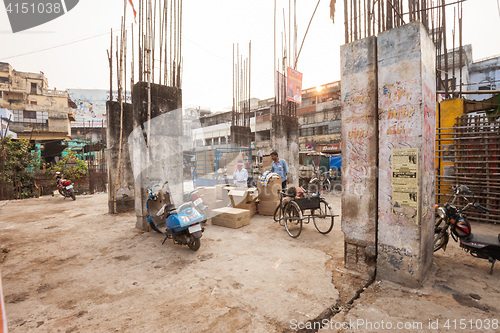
182	225
452	220
64	186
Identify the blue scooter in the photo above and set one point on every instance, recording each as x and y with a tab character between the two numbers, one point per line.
182	225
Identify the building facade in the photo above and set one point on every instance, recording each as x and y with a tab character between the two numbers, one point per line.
484	75
318	115
38	113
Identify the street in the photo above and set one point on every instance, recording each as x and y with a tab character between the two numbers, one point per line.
69	266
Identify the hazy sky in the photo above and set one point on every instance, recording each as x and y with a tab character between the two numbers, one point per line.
209	30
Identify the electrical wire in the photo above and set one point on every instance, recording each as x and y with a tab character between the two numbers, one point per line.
56	46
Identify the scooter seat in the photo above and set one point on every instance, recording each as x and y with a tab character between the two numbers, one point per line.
484	239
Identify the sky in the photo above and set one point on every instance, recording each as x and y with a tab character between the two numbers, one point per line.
71	50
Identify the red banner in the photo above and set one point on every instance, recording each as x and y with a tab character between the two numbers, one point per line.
294	86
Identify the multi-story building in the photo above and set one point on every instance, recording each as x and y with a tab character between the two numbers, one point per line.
319	123
319	119
39	113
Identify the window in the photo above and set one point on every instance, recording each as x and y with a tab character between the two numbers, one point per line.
33	88
29	114
4	80
306	131
322	130
33	102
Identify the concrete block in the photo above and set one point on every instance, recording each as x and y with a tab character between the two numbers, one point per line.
126	185
155	144
359	151
285	140
407	110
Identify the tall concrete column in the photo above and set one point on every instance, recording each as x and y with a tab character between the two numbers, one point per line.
285	140
241	136
359	153
125	189
156	145
407	111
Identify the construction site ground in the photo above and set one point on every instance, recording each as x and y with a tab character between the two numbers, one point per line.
69	266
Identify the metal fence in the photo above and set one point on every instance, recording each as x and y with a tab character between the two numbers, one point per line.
469	154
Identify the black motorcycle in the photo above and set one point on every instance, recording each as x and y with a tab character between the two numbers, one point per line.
452	220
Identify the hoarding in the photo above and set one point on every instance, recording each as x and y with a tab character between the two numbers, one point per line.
294	86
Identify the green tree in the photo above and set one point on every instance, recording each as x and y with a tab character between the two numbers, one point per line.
70	166
19	165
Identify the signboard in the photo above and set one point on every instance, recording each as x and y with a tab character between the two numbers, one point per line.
91	106
294	86
308	146
332	147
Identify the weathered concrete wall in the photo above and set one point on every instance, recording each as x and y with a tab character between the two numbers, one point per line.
285	140
156	145
407	110
125	190
241	136
359	153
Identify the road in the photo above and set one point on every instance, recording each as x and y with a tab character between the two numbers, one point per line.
69	266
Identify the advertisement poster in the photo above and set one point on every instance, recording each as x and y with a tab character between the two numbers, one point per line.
308	146
405	167
294	86
405	183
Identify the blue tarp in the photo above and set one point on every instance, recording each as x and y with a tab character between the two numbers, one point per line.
336	162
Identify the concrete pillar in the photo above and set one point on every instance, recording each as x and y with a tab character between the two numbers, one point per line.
241	136
162	160
407	111
125	190
285	140
359	153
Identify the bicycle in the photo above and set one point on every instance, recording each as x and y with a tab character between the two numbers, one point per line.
292	213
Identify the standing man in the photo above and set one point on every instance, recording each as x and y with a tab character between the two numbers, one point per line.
280	167
240	175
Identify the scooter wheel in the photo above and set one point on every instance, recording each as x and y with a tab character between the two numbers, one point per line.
153	226
194	244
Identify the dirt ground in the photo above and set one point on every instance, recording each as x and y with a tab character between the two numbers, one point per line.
68	266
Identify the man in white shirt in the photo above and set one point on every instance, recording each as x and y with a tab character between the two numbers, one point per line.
240	175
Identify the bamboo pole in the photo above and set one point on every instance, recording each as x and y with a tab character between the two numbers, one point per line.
110	60
120	99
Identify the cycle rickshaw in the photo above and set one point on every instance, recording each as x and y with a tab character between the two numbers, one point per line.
298	206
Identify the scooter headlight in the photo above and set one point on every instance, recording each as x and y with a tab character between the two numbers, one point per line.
441	212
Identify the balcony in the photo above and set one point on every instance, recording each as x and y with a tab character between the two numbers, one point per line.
55	93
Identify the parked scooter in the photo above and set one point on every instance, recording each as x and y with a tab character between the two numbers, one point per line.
64	186
450	219
182	225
